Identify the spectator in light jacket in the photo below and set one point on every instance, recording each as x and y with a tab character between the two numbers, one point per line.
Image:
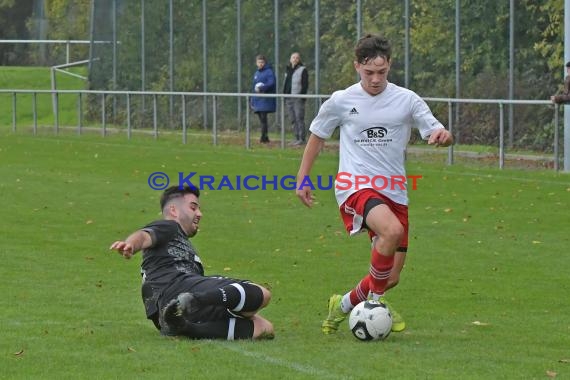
296	82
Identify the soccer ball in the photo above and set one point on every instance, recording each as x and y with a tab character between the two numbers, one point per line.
370	320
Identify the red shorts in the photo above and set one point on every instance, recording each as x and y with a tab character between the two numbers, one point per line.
352	213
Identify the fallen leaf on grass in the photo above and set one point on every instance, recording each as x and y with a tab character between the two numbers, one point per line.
551	374
226	269
479	323
564	361
536	242
19	353
130	349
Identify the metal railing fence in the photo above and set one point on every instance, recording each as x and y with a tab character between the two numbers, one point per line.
213	98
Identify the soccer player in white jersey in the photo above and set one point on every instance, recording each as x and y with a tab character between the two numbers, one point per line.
375	118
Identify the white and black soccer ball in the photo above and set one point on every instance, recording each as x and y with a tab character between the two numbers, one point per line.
370	320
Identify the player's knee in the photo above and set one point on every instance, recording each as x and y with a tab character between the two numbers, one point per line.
394	232
266	297
262	328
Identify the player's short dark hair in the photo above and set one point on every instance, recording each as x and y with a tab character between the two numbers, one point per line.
174	192
371	46
568	64
260	57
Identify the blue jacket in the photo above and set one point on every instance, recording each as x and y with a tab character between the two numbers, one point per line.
267	77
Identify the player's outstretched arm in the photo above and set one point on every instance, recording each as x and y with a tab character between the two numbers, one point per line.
312	150
134	243
441	137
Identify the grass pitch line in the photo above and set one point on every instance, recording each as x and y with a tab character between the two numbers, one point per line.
305	369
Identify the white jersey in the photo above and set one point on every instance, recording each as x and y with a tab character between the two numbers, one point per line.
374	133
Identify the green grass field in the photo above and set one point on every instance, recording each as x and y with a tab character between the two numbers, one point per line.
483	292
39	78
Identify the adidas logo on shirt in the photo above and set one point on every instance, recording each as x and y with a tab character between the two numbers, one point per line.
353	111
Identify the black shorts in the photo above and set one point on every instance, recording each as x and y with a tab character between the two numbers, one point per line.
211	322
200	284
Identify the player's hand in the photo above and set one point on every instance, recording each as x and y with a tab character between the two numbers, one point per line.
441	137
125	249
306	196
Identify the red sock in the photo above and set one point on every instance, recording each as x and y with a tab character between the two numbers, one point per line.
380	268
360	293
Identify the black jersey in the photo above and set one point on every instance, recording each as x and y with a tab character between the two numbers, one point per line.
171	254
171	266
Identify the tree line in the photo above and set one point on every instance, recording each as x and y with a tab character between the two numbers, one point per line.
484	48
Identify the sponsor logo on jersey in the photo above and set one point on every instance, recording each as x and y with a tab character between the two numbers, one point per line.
376	136
375	132
353	111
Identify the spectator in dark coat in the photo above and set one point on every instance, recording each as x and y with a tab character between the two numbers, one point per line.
263	83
